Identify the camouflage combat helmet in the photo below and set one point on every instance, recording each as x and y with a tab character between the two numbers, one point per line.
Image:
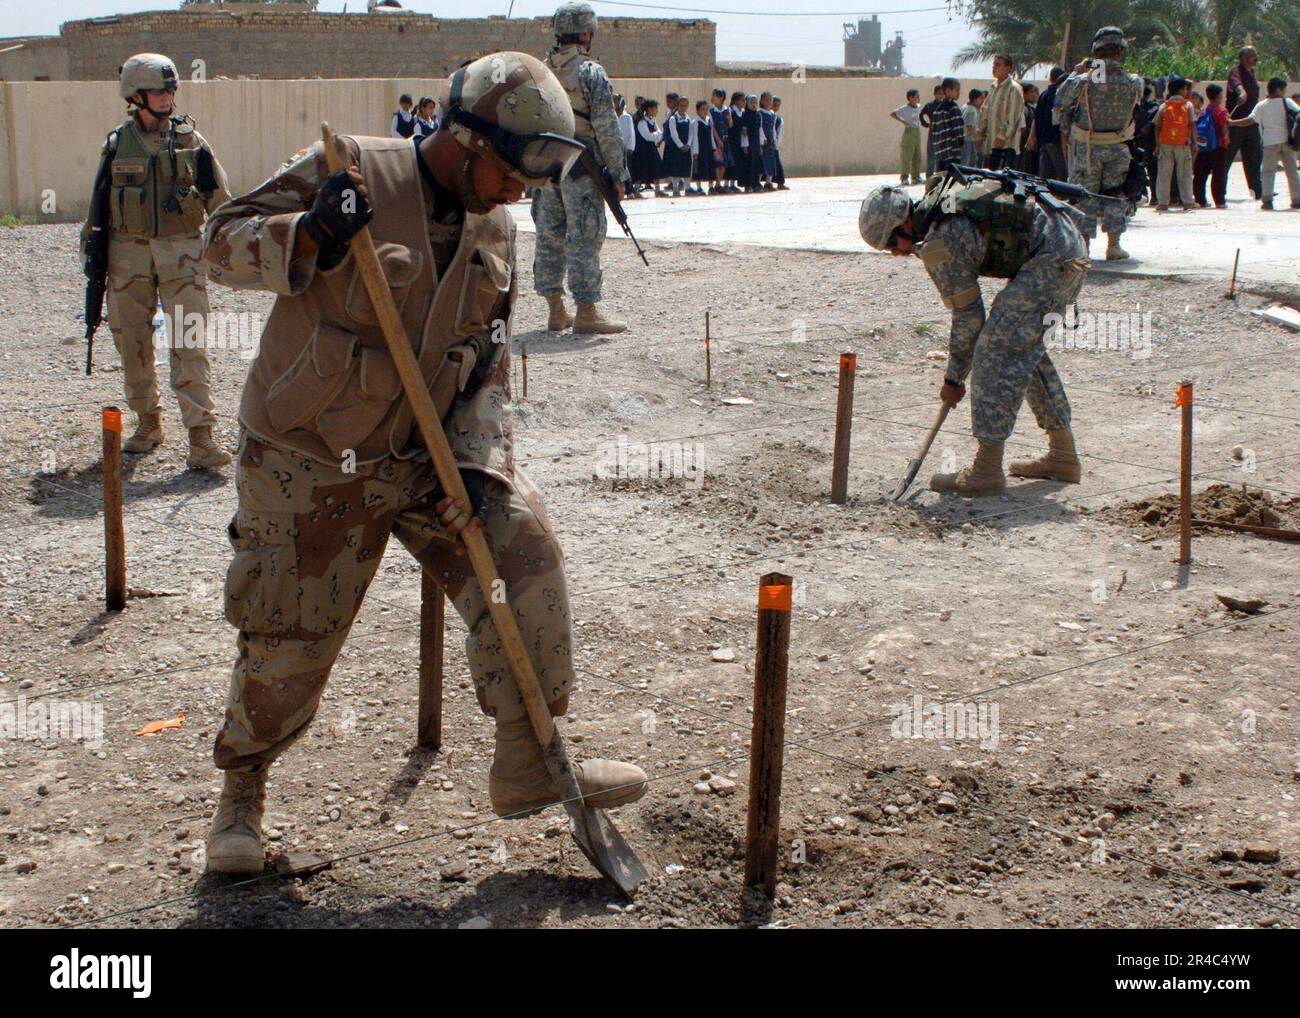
1108	35
510	106
145	71
574	19
882	212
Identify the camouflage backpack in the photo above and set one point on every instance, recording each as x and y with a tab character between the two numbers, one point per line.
1002	221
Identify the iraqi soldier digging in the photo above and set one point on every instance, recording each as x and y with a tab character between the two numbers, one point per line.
162	180
330	463
570	214
962	232
1098	103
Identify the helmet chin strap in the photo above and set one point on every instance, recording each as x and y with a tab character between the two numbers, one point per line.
468	196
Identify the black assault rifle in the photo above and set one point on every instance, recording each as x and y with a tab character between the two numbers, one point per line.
96	264
605	181
1020	185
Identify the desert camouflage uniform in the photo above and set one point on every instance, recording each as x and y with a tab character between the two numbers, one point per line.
160	263
570	216
1006	350
309	534
1106	106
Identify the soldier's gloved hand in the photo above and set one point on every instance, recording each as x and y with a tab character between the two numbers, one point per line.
455	515
341	210
952	394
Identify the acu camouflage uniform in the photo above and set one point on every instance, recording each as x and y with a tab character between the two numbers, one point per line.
154	255
1097	116
323	394
570	216
1045	258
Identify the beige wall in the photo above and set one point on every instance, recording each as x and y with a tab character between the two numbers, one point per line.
44	59
833	125
266	43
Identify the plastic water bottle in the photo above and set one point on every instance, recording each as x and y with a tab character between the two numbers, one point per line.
159	336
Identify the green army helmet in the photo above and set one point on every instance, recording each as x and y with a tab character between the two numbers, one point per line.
509	106
146	71
574	19
883	211
1108	35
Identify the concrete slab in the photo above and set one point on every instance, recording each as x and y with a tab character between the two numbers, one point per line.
821	213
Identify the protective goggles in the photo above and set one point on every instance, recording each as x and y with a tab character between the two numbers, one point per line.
534	158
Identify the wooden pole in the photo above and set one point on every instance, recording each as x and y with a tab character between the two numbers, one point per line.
767	737
114	531
524	359
1184	400
1232	284
1065	48
432	631
843	429
708	356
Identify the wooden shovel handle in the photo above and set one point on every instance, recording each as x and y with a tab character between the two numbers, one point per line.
940	417
444	463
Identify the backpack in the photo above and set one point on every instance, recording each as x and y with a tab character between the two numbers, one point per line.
1174	124
1207	133
1001	220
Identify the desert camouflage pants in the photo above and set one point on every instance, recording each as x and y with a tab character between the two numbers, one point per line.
308	540
570	223
1106	168
1011	362
141	273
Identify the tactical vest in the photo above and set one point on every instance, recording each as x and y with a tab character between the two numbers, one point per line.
155	194
1002	221
566	62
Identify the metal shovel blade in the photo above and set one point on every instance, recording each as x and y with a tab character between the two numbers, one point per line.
913	469
606	849
599	839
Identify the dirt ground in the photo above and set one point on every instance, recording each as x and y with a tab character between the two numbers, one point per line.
1137	763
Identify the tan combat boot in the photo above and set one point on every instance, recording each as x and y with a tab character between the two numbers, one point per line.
559	319
148	434
589	320
982	477
1061	463
205	454
235	841
1114	253
520	785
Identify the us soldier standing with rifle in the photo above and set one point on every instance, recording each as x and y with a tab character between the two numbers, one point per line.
1098	104
570	214
1007	226
331	464
157	182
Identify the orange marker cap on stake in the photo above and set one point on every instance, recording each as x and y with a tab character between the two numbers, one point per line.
1184	395
848	362
775	597
112	419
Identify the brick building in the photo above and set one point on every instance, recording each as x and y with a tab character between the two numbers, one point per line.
290	40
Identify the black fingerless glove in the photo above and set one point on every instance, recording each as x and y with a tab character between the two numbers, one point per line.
338	214
474	488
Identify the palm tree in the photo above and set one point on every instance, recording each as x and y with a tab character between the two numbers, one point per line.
1032	31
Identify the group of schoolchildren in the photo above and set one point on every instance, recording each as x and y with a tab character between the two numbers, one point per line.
414	120
723	148
1186	143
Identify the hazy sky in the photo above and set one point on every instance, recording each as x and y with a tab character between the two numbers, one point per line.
814	36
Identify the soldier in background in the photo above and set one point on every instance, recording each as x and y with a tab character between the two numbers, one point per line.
570	215
1098	103
331	464
162	181
961	233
